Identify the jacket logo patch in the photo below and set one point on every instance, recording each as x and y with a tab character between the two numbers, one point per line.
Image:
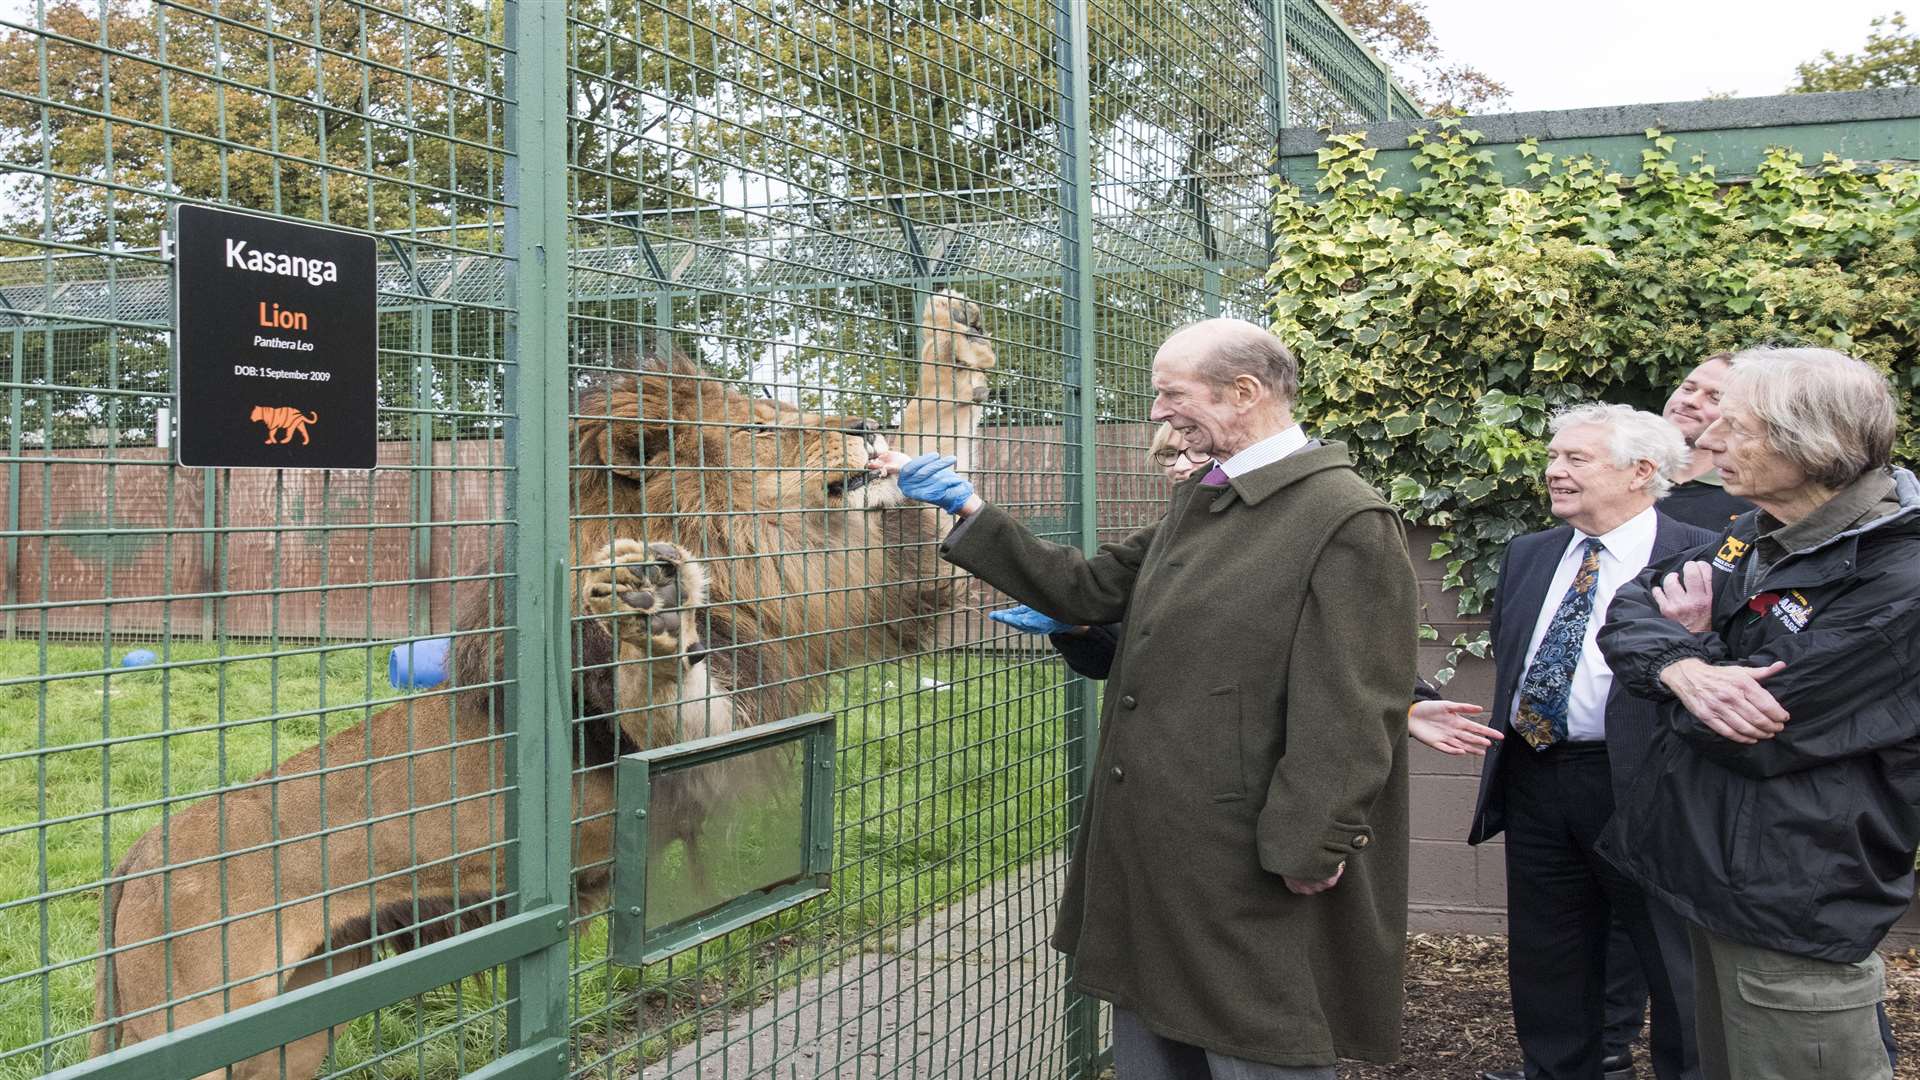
1731	549
1792	609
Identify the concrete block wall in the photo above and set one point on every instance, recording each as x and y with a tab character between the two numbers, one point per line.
1453	887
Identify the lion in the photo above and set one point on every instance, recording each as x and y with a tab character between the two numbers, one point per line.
691	502
285	419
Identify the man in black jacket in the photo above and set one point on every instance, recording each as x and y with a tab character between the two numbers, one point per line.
1698	496
1779	810
1570	739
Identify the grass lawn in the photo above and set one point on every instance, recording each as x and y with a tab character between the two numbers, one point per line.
950	774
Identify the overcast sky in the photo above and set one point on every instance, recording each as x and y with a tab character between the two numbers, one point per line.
1627	52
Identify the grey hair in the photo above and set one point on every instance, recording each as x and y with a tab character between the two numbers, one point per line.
1829	414
1258	354
1633	436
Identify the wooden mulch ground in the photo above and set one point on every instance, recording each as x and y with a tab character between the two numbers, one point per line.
1459	1020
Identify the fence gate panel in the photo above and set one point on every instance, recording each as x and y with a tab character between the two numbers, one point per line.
197	724
310	772
796	223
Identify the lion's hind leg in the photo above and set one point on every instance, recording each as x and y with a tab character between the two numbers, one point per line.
196	934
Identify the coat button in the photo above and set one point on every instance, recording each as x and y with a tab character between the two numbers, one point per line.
1361	840
1127	702
1118	774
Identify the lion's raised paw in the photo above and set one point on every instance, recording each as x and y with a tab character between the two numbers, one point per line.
658	584
956	330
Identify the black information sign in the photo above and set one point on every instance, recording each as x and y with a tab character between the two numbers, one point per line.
276	325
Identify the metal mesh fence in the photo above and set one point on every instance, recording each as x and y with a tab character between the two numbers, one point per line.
656	280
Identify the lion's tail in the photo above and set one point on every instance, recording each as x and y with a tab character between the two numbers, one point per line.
312	417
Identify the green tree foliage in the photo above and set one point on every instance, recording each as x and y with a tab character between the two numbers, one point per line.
378	118
1439	326
1891	58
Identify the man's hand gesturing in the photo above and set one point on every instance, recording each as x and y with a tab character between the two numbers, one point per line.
1730	700
1445	726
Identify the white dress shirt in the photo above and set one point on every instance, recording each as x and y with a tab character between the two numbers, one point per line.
1265	452
1628	548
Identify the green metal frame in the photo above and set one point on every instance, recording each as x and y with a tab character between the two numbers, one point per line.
632	942
255	1029
1081	418
540	808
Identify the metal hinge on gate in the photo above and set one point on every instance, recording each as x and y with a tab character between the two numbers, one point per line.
714	834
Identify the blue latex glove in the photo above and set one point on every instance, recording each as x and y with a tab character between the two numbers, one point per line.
930	478
1028	621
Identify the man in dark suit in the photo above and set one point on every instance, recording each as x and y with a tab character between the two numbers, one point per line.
1571	741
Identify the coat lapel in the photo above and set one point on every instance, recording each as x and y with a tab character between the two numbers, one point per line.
1518	620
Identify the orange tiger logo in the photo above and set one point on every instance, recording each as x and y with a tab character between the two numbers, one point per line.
285	419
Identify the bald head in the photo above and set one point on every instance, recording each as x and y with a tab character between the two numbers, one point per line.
1222	350
1223	385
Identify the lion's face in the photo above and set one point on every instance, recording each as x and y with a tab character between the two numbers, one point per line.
681	442
806	462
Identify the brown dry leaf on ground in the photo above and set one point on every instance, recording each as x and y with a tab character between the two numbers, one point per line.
1459	1020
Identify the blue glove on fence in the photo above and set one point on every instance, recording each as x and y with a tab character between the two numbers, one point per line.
1028	621
930	478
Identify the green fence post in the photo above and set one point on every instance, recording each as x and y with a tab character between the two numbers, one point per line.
420	478
1080	429
1276	12
539	807
15	415
1274	15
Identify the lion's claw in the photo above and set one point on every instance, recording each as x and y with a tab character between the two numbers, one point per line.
959	325
654	582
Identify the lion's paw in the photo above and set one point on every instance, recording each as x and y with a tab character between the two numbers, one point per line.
956	331
658	584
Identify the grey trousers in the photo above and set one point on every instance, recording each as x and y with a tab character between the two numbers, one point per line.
1766	1015
1139	1054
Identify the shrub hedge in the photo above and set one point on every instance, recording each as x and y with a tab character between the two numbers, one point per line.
1439	327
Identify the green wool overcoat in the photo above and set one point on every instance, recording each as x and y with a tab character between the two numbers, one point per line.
1254	727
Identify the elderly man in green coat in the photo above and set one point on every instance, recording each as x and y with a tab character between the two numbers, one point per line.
1238	888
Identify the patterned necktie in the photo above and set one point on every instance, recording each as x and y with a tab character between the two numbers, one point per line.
1216	476
1542	716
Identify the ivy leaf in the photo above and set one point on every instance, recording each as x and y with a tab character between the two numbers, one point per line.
1401	425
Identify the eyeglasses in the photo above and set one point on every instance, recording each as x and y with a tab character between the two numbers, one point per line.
1166	458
